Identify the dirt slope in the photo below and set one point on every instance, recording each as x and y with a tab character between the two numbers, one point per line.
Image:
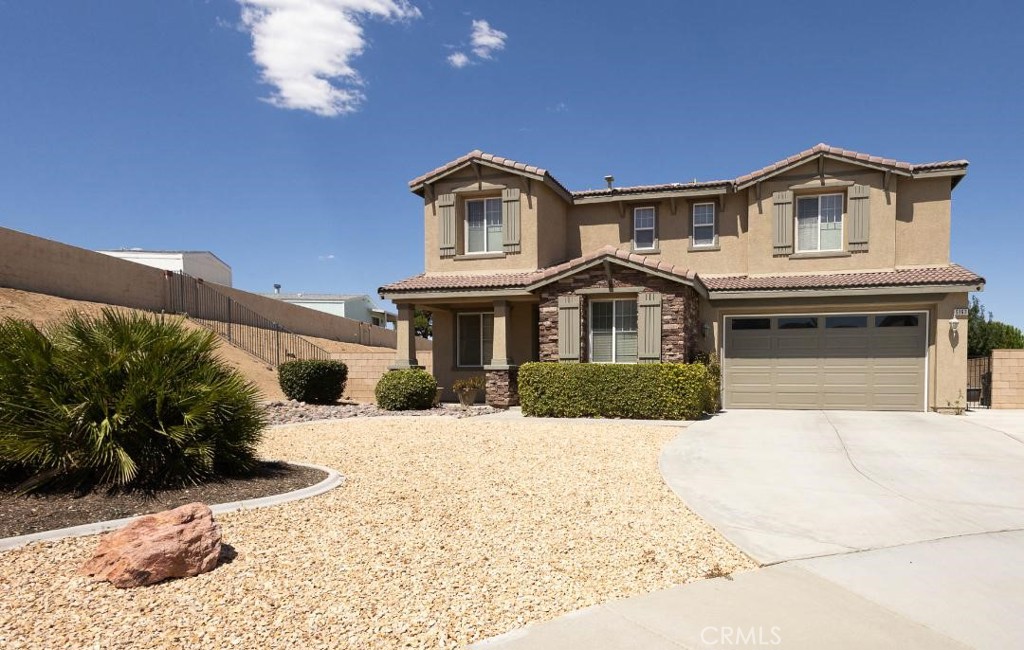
42	309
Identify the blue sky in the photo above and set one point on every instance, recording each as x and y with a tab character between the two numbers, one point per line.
157	124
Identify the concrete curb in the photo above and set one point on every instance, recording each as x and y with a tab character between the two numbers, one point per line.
333	480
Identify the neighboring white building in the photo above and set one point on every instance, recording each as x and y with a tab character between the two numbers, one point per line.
198	264
355	306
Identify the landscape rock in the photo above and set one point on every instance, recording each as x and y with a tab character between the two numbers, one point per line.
177	543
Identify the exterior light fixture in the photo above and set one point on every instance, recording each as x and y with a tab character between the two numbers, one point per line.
953	324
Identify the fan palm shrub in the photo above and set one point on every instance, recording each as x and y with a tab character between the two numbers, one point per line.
123	400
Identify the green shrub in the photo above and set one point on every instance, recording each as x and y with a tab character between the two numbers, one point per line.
406	390
313	381
121	400
713	400
646	391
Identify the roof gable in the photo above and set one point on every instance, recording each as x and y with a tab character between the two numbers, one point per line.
477	157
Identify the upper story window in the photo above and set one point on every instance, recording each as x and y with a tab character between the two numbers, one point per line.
704	232
819	223
483	226
613	331
643	228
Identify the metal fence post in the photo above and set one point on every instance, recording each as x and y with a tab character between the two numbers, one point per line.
229	319
277	330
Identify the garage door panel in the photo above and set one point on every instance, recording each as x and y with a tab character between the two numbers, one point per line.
851	364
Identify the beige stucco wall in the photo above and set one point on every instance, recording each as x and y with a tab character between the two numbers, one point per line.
948	354
1008	379
366	368
923	221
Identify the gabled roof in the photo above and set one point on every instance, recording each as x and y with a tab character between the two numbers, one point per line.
479	157
837	153
951	274
530	280
650	189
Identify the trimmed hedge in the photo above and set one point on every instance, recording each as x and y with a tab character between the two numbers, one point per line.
313	381
406	390
646	391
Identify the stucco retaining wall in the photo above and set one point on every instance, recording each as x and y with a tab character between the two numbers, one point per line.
1008	379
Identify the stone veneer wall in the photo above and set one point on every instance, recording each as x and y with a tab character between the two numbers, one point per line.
1007	379
680	317
503	387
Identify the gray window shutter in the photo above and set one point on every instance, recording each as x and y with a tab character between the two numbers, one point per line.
859	215
782	229
569	328
510	219
648	306
446	224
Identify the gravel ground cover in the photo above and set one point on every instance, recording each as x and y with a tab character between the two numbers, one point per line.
445	532
22	514
292	411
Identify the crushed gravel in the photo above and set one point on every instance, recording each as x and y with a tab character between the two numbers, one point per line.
445	532
291	412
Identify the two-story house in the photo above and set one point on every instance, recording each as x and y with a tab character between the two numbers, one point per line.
822	280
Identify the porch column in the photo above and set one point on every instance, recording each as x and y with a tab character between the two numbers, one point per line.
405	355
502	388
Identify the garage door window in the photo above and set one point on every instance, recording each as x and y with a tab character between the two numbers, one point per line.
846	322
751	323
798	323
896	320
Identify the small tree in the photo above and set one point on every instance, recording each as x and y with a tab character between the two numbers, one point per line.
985	334
423	323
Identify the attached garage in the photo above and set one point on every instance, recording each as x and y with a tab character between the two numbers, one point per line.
856	361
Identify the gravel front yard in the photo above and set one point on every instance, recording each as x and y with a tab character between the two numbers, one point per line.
445	532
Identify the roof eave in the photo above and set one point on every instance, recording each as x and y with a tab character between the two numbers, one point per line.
652	196
806	159
741	294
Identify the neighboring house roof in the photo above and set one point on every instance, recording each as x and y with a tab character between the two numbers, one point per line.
339	297
163	252
953	274
477	156
821	149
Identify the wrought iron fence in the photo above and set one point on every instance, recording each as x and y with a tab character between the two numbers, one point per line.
979	382
240	325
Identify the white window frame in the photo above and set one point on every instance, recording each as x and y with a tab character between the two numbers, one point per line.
842	223
590	328
458	337
653	228
501	217
694	226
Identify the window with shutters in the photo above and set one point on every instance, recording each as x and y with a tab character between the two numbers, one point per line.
819	223
613	331
475	339
704	232
643	228
483	226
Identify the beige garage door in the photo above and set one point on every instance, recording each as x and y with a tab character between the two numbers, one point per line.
851	361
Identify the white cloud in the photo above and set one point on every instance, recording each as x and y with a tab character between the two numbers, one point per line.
486	40
458	60
325	258
305	48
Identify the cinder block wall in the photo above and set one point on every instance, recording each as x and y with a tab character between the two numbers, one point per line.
366	368
1008	379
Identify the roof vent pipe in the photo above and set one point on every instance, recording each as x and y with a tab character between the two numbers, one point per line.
609	179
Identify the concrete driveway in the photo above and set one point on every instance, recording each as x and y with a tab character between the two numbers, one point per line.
881	530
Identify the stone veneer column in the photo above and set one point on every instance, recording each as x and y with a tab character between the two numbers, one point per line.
405	355
502	390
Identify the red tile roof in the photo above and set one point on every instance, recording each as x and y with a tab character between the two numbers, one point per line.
476	154
642	189
852	156
952	274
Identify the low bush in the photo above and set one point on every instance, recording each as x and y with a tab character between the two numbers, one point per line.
406	390
313	381
121	400
714	396
646	391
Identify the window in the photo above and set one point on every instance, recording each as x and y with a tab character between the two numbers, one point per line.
798	323
751	323
819	223
846	322
483	226
704	225
475	339
896	320
613	331
643	228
